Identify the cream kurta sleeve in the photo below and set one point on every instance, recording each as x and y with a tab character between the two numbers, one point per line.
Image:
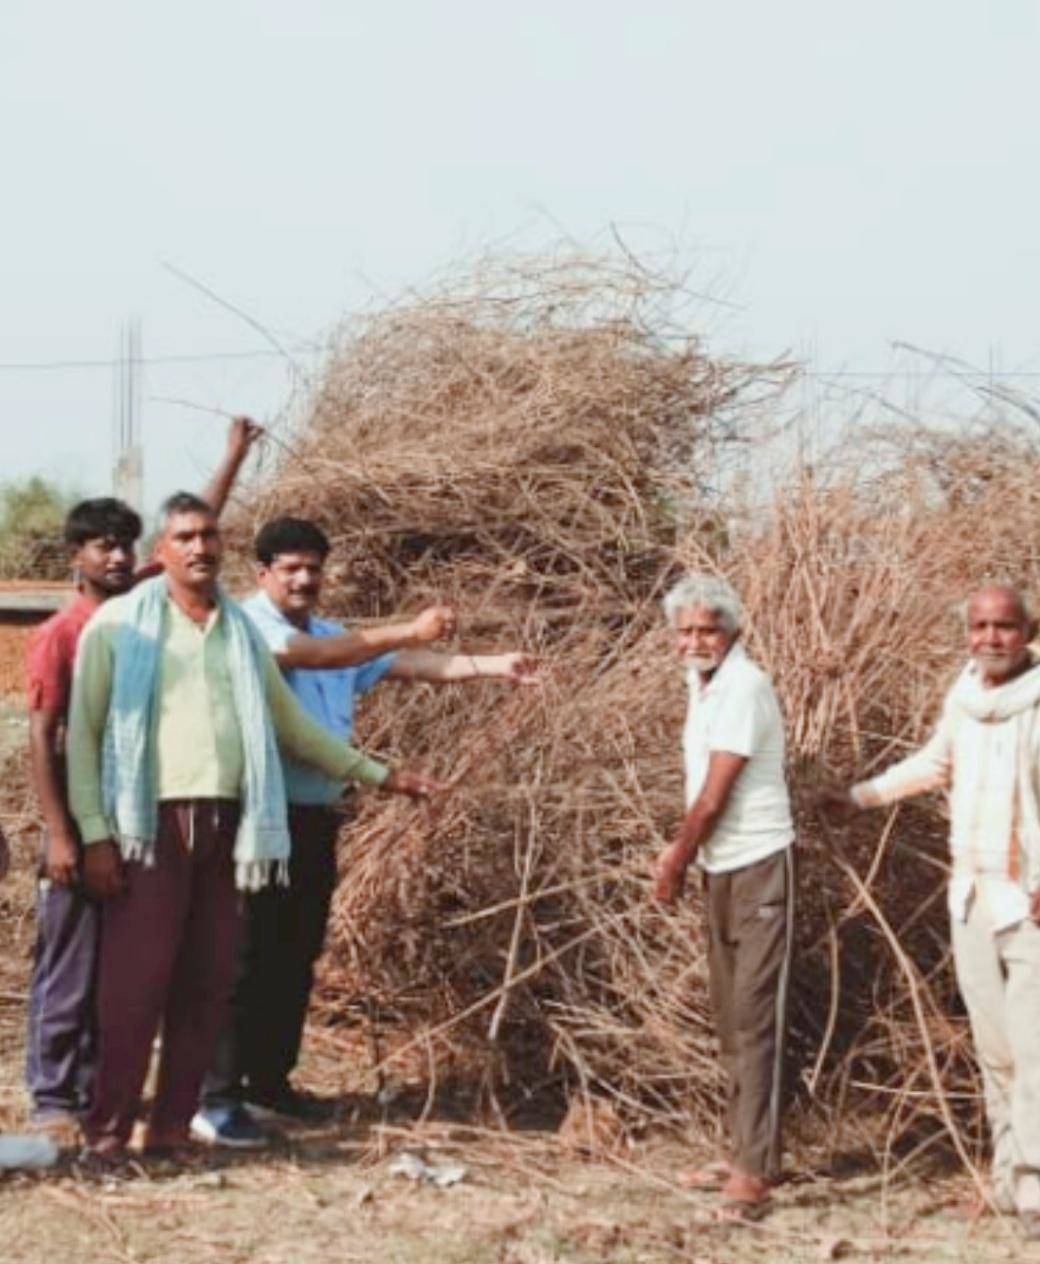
926	769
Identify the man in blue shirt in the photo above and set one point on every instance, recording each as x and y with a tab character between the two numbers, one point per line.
327	668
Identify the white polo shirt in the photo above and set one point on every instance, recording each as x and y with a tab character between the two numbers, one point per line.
737	711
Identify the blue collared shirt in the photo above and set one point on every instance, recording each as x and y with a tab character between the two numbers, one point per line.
326	694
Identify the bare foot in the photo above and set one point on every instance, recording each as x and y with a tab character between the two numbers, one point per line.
745	1190
710	1176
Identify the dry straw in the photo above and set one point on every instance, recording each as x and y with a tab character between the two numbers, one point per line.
539	443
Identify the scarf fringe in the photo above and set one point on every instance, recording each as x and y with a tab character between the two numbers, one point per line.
254	875
141	850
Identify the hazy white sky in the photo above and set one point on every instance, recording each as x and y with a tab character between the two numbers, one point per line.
854	173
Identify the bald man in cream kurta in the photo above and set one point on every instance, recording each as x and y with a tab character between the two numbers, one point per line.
986	753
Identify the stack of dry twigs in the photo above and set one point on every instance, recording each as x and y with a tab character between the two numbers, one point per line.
535	445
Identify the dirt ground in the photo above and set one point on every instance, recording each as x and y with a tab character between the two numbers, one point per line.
331	1194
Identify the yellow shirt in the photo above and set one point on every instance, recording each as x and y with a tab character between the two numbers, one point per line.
198	742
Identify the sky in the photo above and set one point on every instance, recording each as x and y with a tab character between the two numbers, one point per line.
845	175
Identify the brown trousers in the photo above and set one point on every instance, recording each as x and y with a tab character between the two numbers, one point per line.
750	928
169	946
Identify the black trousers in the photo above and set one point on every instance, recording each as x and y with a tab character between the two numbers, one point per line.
283	937
750	930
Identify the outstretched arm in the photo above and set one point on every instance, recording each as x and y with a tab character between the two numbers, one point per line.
242	434
443	669
358	645
924	770
304	740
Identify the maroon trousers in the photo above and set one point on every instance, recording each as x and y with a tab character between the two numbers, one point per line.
169	946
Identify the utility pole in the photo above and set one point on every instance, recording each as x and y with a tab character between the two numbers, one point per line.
128	458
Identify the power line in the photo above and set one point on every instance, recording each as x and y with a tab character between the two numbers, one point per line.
309	348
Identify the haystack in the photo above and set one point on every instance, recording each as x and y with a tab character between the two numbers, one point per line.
529	443
537	444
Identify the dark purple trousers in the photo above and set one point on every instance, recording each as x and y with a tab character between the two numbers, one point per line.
61	1041
169	947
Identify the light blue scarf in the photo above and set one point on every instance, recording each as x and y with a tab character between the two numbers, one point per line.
128	771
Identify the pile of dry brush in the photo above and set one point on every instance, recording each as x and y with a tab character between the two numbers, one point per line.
539	444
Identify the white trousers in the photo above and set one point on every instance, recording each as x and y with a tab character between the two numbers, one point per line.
999	978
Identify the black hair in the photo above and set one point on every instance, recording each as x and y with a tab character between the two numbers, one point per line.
289	535
183	503
98	518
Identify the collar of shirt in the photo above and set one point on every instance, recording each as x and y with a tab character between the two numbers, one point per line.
315	626
183	617
79	610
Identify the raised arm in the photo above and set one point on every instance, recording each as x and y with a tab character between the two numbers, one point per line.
242	434
358	645
443	669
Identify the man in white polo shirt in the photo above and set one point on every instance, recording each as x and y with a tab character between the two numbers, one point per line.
738	826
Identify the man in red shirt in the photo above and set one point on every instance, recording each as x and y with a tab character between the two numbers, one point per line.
101	536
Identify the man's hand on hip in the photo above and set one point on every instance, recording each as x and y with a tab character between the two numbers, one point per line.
103	874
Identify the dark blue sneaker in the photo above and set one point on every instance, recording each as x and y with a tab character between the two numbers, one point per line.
230	1125
286	1102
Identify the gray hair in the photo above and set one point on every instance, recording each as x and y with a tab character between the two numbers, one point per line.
708	591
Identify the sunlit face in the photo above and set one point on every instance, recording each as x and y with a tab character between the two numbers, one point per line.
701	638
998	634
190	549
293	582
105	564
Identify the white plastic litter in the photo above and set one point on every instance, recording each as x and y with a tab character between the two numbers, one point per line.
445	1174
408	1165
26	1151
414	1168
